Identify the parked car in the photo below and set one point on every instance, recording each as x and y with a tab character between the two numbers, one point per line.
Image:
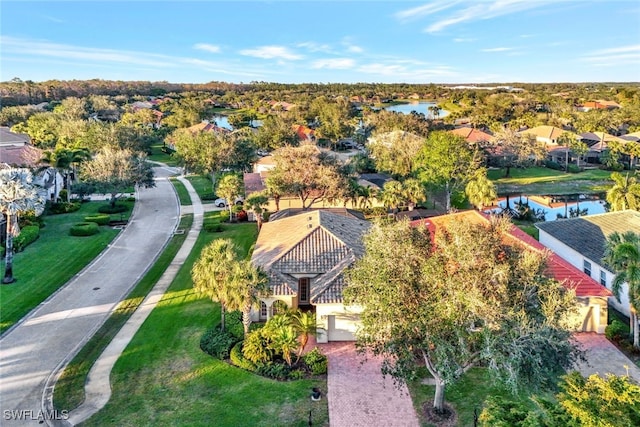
221	203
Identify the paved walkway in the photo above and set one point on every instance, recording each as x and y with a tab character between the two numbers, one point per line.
603	357
55	331
359	396
98	386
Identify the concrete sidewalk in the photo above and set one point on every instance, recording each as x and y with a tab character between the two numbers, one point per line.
54	332
98	386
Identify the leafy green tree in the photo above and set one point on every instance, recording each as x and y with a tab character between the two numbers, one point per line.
512	149
307	173
470	299
480	190
395	151
413	192
447	161
622	254
114	171
574	144
276	131
625	192
230	187
18	195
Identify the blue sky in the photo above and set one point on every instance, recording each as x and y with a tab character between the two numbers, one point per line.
449	41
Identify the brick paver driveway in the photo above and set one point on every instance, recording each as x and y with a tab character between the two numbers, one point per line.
359	395
603	357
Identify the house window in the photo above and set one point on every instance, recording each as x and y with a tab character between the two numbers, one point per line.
303	290
587	267
603	278
263	310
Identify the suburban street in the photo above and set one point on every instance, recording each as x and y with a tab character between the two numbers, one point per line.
53	333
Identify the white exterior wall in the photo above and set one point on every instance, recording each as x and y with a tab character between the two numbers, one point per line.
577	260
337	322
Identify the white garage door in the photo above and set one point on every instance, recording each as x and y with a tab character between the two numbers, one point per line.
341	327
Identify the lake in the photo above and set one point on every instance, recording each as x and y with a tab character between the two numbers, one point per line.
554	205
418	107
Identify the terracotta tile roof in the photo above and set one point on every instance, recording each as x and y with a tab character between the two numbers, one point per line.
16	149
471	134
315	242
558	268
253	182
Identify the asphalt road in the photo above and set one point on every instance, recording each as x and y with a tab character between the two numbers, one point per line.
57	329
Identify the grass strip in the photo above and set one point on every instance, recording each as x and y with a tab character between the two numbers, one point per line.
183	194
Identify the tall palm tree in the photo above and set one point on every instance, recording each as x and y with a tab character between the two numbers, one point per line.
250	282
17	195
366	196
256	202
392	194
625	193
622	253
413	192
213	275
480	190
305	324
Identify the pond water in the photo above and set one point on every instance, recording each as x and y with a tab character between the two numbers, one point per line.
223	122
554	205
418	107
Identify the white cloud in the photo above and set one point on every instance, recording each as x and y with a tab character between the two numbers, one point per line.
207	47
271	52
334	63
616	56
355	49
497	49
463	40
424	10
315	47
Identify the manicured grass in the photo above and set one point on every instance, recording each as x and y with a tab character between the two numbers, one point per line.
544	181
528	228
183	194
163	378
157	155
202	185
69	390
466	395
51	261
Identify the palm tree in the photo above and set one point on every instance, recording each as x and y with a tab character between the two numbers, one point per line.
480	190
625	193
392	194
622	254
413	192
256	202
249	283
305	324
213	275
230	187
366	196
17	195
285	341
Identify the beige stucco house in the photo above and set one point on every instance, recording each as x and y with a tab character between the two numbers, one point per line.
304	255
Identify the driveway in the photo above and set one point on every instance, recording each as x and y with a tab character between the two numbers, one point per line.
359	396
603	357
56	330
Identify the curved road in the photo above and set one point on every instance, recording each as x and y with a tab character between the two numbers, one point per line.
57	329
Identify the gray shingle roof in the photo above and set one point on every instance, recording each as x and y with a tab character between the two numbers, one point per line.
588	234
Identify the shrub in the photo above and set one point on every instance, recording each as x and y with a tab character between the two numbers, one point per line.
84	229
238	359
217	343
553	165
28	235
574	169
108	209
242	216
224	216
296	374
131	199
316	362
616	331
212	226
100	219
277	371
63	207
256	347
63	194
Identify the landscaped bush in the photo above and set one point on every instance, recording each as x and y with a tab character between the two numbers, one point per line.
100	219
553	165
28	235
217	343
108	209
616	331
212	225
84	229
242	216
238	359
316	362
276	371
256	347
224	216
63	207
574	169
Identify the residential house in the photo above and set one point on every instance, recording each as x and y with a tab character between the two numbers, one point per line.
16	149
304	254
598	142
581	242
547	134
591	295
305	133
598	105
472	135
633	136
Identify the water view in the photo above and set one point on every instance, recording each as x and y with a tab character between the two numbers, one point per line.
418	107
554	207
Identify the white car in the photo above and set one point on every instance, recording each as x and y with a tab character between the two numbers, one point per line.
221	203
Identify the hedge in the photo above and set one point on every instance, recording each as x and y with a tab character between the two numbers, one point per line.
28	235
237	358
100	219
108	209
84	229
217	343
63	207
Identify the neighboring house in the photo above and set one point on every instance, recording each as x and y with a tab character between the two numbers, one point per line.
598	105
51	182
206	126
304	254
581	242
16	149
472	135
305	133
633	136
264	164
591	295
598	142
546	134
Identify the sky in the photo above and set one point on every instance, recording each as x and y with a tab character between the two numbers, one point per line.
442	41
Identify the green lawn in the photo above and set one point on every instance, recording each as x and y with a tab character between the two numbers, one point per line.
544	181
466	395
157	155
181	190
202	185
163	378
51	261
